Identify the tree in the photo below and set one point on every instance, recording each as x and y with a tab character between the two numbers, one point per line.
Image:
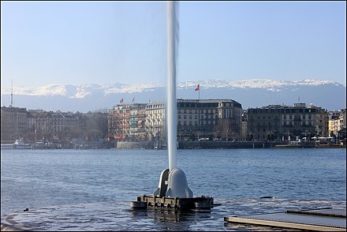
224	128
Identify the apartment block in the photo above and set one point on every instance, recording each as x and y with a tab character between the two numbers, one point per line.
337	123
276	122
127	122
208	119
196	119
57	125
156	121
14	123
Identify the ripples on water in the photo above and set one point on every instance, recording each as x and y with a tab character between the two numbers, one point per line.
118	216
91	189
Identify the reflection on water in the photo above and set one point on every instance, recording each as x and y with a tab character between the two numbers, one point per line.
119	216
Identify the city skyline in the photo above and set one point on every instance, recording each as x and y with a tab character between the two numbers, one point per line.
122	42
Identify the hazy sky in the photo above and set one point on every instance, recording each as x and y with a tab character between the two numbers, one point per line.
107	42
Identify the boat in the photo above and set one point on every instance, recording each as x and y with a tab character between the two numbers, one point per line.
296	144
18	144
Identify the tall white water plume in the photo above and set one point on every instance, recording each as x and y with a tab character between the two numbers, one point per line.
173	181
171	75
177	185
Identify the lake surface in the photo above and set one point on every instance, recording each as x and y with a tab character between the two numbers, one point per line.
91	189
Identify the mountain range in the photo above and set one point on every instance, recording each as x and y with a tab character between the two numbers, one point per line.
250	93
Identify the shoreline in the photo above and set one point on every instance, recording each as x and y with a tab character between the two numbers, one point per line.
195	148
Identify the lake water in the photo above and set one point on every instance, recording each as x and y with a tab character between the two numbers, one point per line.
91	189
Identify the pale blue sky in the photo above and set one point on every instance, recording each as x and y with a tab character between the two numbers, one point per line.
107	42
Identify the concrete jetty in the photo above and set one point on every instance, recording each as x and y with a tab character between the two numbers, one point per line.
312	220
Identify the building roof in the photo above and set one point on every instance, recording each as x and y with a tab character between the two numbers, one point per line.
13	109
235	103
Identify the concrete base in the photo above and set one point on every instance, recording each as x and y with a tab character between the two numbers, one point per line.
196	203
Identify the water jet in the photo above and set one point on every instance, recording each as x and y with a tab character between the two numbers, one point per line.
173	191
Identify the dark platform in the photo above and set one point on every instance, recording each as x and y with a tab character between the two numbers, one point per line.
314	220
195	203
322	212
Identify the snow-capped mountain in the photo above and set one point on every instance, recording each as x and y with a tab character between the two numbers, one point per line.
255	84
250	93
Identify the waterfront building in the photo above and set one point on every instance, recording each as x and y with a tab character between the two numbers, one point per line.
343	118
337	123
334	123
118	122
39	125
126	122
14	123
54	125
208	119
137	122
197	119
343	123
155	121
276	122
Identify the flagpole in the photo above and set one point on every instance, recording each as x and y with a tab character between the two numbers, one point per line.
198	89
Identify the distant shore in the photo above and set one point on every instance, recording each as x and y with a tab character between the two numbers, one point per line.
252	145
190	145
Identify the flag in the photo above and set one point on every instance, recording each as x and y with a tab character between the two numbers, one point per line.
121	100
133	100
197	87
